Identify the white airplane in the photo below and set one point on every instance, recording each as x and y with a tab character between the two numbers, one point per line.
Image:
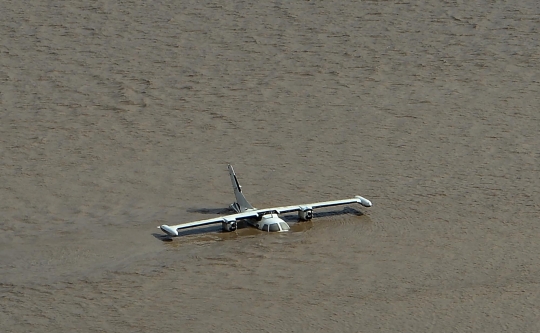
263	219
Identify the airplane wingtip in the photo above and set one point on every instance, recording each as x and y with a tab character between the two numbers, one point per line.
168	230
363	201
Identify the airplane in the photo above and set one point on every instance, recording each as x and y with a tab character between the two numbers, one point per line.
264	219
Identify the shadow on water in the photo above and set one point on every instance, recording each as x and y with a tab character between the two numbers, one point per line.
212	211
162	237
218	234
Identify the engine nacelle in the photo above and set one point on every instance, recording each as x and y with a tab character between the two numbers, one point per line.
228	225
305	213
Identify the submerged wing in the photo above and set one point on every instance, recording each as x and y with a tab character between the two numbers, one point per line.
173	229
357	199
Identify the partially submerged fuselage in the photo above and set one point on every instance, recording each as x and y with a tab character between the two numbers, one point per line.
270	222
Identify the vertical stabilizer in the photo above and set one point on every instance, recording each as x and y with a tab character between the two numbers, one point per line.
241	204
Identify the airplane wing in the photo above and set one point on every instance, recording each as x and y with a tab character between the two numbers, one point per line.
173	230
357	199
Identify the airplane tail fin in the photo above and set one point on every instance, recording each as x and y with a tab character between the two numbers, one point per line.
241	204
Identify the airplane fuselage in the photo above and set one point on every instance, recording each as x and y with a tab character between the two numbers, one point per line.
269	222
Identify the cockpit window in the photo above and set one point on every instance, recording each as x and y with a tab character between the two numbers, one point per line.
274	227
284	226
265	227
